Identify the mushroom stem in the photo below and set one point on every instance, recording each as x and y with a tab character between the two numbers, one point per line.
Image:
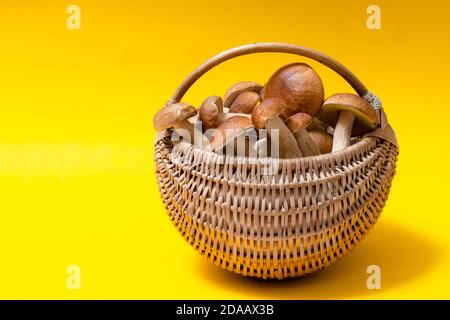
260	147
306	143
343	130
288	147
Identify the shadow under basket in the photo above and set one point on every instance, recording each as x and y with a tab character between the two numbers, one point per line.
276	218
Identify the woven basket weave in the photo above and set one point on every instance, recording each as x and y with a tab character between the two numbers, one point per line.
300	218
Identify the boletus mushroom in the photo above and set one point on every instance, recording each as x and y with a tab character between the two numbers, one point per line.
298	124
267	116
238	88
176	116
210	112
232	130
299	86
323	140
245	102
350	115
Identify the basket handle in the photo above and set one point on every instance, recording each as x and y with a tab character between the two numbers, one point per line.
275	47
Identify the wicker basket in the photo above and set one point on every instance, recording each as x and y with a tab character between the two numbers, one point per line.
307	214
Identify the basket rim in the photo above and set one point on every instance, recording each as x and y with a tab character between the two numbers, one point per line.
357	148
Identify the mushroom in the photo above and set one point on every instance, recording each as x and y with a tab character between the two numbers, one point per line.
298	124
349	114
262	147
232	130
323	140
317	125
176	116
299	86
210	112
261	93
237	89
245	102
267	115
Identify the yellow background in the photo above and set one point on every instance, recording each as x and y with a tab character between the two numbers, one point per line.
76	169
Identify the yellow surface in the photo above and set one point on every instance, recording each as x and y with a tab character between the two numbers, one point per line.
76	172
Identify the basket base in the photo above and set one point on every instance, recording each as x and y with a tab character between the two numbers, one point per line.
294	251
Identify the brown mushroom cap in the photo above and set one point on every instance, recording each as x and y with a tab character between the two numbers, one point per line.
237	89
169	116
323	141
298	121
210	110
365	115
245	102
229	129
261	93
299	86
267	109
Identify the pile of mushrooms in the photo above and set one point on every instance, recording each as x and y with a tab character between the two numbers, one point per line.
286	118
